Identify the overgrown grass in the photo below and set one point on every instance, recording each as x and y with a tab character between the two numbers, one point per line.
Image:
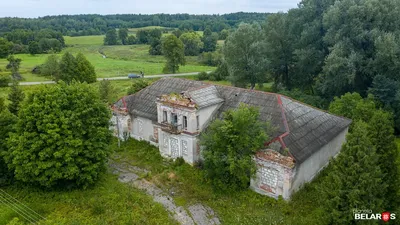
108	202
245	207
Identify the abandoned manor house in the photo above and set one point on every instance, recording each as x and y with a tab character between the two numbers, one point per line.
171	113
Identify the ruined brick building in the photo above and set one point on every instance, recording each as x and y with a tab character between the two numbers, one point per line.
171	113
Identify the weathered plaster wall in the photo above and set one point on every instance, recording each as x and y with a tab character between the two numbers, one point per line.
142	128
205	116
120	123
316	162
272	179
174	146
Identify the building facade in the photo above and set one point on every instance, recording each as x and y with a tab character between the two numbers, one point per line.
171	114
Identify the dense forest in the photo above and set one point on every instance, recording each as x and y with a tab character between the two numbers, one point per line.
323	49
78	25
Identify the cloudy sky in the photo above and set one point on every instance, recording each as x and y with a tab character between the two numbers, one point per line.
35	8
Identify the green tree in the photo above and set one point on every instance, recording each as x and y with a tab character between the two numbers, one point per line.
279	50
34	48
86	72
4	80
111	37
61	137
5	47
51	67
229	146
353	106
7	123
381	134
16	96
137	86
2	105
209	42
192	43
223	34
13	65
107	91
68	68
244	53
131	40
363	38
173	50
355	181
155	46
123	35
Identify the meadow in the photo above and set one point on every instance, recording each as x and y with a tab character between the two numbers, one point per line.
120	60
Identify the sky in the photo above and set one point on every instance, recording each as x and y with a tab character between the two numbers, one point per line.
36	8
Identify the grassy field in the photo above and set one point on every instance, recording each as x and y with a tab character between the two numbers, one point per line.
245	207
108	202
120	60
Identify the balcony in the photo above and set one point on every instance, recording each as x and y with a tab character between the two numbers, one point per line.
171	128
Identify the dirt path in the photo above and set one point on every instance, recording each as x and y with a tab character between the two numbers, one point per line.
196	214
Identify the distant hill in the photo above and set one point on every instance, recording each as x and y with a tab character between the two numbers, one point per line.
93	24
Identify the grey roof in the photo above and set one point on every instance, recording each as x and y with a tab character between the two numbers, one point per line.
305	129
205	96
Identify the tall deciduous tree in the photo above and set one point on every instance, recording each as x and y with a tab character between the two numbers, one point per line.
229	146
7	123
356	179
68	68
51	67
381	134
5	47
192	43
111	37
86	72
16	96
244	53
123	35
209	41
106	91
13	65
279	49
61	137
174	52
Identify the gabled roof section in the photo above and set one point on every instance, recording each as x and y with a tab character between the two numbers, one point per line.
205	96
301	128
309	128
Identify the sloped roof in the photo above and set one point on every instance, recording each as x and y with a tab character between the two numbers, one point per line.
303	129
205	96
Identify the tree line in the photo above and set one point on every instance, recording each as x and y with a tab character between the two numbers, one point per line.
33	42
81	25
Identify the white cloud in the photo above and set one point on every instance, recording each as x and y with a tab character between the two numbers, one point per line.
35	8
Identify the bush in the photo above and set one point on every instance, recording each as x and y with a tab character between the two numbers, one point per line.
61	137
137	85
210	58
4	80
202	76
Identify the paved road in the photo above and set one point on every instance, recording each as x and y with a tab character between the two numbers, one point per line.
118	78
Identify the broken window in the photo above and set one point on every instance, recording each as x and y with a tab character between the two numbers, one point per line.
174	118
164	116
184	122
